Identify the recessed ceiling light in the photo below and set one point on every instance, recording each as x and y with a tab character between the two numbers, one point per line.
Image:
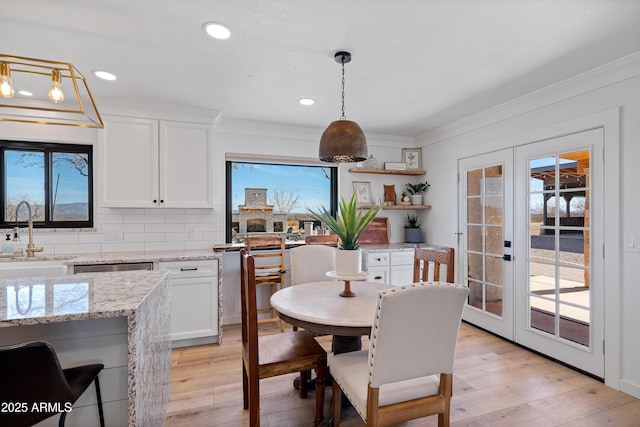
217	31
25	93
104	75
306	101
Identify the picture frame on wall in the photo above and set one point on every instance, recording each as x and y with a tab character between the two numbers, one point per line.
362	189
412	157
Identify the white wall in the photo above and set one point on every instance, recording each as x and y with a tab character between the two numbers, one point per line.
613	88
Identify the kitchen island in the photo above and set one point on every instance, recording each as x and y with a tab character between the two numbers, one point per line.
119	319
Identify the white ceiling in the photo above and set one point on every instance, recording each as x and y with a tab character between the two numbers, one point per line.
417	64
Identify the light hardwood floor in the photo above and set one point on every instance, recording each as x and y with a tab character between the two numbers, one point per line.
495	384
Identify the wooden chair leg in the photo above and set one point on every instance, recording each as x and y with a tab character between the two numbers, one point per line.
254	402
336	403
304	376
245	387
321	375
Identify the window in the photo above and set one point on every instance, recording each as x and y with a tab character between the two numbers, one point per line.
274	198
55	179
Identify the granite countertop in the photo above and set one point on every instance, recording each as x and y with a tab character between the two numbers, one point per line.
120	257
34	300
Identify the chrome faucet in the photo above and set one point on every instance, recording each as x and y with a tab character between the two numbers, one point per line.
30	247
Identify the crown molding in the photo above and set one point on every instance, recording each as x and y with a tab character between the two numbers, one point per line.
132	108
622	69
229	125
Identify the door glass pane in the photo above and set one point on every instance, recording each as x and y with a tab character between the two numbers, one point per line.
493	238
493	210
474	238
494	300
474	210
542	315
574	324
559	247
484	203
474	177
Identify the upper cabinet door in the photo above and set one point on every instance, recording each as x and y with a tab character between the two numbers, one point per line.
186	165
129	163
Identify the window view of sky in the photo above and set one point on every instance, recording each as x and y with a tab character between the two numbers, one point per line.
310	185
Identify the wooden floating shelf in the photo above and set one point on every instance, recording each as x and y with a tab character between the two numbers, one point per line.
403	207
412	172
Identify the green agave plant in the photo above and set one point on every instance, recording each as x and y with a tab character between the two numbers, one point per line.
350	222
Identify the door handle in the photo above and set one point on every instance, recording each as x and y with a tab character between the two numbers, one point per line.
505	257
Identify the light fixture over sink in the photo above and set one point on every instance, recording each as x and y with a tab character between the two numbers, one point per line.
47	82
343	140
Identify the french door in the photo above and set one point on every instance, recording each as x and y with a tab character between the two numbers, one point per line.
485	239
531	246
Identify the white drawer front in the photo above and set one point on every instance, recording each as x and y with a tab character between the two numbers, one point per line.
402	258
181	269
377	258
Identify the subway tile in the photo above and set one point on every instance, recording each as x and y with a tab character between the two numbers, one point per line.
166	228
122	247
144	219
77	248
163	246
143	237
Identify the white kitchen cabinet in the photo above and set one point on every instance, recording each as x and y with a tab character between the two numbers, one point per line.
150	163
401	267
391	267
194	301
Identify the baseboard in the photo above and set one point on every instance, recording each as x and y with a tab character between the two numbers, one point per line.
630	388
194	341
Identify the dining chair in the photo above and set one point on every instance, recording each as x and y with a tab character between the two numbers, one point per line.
271	271
267	356
424	258
407	372
30	374
322	239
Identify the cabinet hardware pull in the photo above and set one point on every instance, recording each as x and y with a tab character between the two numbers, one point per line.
161	201
155	200
378	277
189	269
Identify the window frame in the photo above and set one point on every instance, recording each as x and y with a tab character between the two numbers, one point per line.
47	148
333	185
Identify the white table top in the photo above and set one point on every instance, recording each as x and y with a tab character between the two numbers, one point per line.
320	303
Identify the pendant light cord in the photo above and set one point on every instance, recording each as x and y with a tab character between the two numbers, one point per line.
342	117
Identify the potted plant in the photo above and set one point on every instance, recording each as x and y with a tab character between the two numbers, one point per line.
348	225
415	190
412	231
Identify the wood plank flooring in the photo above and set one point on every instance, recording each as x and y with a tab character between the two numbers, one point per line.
495	384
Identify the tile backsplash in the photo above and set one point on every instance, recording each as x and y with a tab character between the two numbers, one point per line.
117	230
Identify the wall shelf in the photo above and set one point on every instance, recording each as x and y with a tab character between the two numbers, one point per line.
410	172
403	207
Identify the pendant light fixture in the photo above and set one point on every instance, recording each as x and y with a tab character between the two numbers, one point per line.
67	102
343	140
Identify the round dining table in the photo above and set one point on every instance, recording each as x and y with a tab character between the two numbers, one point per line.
319	308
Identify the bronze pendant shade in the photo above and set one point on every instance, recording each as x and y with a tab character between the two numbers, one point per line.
343	140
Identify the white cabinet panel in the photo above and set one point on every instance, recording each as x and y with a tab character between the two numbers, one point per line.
156	163
186	160
401	275
130	162
194	301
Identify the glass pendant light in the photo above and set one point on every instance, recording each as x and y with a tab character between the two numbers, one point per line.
343	140
6	87
55	92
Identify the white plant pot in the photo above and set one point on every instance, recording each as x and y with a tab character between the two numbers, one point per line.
348	263
416	199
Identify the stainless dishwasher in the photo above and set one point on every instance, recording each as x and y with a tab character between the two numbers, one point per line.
105	268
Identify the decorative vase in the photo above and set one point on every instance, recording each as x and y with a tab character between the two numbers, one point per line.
348	262
371	162
416	199
412	235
